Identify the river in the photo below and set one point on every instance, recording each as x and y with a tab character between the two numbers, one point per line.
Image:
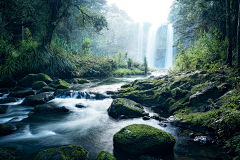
90	127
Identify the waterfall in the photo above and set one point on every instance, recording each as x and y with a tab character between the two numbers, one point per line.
151	45
169	48
140	43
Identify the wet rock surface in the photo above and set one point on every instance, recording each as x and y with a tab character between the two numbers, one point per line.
7	128
40	98
126	107
8	100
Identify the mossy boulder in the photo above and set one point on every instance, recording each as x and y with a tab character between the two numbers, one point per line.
59	84
125	107
103	155
48	108
139	139
63	153
79	80
8	100
31	78
22	94
43	77
38	85
41	98
6	82
7	128
47	89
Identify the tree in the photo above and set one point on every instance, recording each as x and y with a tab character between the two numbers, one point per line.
238	37
229	35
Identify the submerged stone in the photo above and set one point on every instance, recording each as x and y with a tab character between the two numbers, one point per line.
3	109
126	107
63	153
103	155
140	139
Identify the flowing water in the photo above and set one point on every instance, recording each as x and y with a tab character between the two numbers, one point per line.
151	45
90	127
140	43
169	48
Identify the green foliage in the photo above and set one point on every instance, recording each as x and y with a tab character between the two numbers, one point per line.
86	45
206	49
124	72
129	62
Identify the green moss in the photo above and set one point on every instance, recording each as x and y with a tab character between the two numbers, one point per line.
79	80
105	156
138	139
72	152
59	84
47	89
27	81
139	131
126	85
43	77
31	78
38	85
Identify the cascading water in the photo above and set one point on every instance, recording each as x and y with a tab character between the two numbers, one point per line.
140	43
151	44
169	48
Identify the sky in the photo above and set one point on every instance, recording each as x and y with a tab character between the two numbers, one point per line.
153	11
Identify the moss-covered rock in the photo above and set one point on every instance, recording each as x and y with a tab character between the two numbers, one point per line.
59	84
70	152
31	78
40	98
103	155
7	128
47	89
140	139
6	82
43	77
79	80
22	94
38	85
125	107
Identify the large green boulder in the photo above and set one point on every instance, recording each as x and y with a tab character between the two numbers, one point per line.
7	81
60	84
71	152
22	94
125	107
41	98
31	78
103	155
38	85
79	80
140	139
47	89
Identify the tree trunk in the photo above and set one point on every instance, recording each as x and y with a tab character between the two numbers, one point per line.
238	37
229	35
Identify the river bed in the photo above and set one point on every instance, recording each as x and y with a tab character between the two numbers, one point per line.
90	127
